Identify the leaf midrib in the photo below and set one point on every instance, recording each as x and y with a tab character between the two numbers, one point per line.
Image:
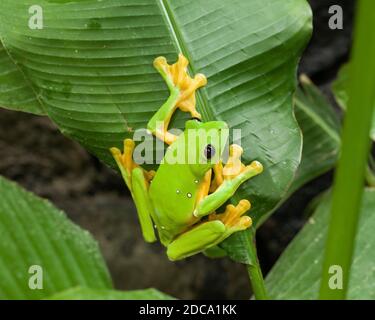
169	17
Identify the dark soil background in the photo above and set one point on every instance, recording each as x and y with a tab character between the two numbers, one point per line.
35	154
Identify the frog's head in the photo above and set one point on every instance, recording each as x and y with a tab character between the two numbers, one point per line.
205	143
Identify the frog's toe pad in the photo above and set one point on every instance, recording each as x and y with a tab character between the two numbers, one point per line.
255	168
116	152
129	144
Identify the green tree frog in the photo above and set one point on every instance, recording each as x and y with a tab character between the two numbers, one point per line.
180	199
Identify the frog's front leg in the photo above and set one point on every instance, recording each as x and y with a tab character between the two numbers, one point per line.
233	174
137	180
210	233
182	95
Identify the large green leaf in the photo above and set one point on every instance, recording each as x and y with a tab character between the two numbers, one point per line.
15	90
95	294
33	232
320	128
91	67
340	90
297	273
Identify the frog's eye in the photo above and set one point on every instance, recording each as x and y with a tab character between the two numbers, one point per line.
209	151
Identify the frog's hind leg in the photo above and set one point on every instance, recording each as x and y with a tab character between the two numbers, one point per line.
198	239
143	204
208	234
137	180
182	95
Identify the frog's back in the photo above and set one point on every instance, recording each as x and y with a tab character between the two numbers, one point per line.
173	193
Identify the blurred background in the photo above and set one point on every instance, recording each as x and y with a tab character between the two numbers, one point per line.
36	155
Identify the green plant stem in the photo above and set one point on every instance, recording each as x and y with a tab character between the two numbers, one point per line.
257	282
350	174
254	271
